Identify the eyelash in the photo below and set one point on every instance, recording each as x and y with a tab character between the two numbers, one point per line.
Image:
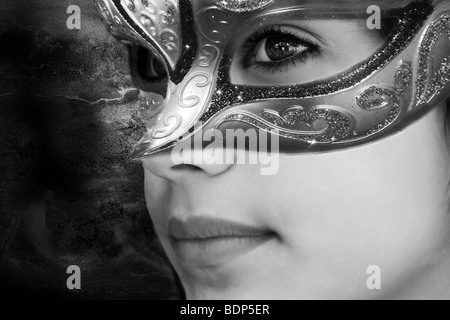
248	60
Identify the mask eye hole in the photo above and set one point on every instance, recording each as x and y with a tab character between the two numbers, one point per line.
148	71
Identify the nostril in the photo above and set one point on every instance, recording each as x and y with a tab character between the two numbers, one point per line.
161	165
186	167
210	170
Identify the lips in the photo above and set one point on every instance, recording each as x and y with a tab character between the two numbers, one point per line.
207	242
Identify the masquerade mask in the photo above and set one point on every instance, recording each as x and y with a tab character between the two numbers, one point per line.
185	55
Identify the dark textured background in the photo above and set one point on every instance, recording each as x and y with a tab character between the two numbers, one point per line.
68	193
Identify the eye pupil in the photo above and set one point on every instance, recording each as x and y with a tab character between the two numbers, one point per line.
281	48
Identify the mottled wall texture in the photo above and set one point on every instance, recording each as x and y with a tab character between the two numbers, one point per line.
69	195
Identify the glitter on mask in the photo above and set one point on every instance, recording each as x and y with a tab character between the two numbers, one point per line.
131	5
427	89
374	98
440	80
291	116
242	5
403	77
337	124
401	81
169	16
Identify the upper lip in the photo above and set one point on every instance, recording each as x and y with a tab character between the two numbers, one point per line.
203	228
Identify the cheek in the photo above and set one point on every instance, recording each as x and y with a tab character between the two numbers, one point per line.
363	208
382	204
156	192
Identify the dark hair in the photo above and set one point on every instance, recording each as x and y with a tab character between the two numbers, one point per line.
447	120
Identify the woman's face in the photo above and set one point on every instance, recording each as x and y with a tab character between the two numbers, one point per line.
312	230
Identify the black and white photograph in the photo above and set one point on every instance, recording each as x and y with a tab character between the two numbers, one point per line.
225	150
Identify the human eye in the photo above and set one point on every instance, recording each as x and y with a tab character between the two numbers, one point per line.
278	48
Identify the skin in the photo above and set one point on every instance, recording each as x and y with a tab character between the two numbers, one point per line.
335	214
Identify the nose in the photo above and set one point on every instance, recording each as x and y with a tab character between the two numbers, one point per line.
167	165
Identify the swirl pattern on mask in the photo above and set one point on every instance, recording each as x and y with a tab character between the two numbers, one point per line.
322	124
117	26
208	56
375	98
327	124
171	123
402	80
195	91
159	19
429	86
218	21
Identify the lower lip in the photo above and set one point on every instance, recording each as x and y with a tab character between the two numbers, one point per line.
216	251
